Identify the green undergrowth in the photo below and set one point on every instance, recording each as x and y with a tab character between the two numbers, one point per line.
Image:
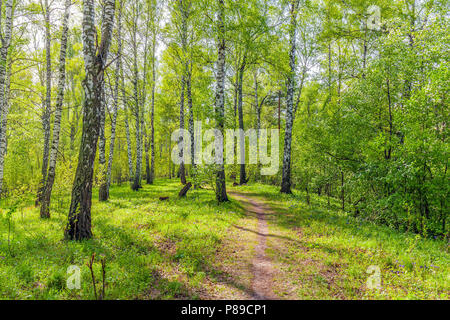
411	267
146	242
166	249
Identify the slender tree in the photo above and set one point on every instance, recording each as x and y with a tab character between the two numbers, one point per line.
152	111
47	192
95	58
286	175
240	80
191	117
48	100
127	126
143	95
137	105
183	14
4	80
221	192
104	188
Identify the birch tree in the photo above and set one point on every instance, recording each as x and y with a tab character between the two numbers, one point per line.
248	47
137	107
286	175
104	188
47	103
221	192
4	80
127	126
95	58
143	95
152	110
183	14
47	191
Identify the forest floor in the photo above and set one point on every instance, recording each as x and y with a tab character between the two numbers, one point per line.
260	245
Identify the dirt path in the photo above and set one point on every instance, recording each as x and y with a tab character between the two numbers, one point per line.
261	265
261	259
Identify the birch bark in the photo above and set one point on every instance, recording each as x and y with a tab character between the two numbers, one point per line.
115	101
286	175
4	83
79	220
152	119
47	106
127	128
137	113
242	174
221	192
183	85
47	191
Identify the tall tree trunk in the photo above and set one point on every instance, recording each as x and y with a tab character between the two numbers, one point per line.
137	174
170	162
47	107
75	116
183	84
116	104
152	116
388	151
146	148
286	177
79	221
191	121
364	53
181	140
137	114
235	122
102	151
258	121
242	175
127	128
221	191
279	110
4	83
147	157
47	192
144	101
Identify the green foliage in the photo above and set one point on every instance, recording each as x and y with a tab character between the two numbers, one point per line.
412	266
143	240
385	132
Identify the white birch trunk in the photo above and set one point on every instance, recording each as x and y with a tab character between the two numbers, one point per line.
221	192
116	100
79	221
286	175
47	104
47	191
4	84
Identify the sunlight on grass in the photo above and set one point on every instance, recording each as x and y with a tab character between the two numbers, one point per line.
343	246
169	249
148	243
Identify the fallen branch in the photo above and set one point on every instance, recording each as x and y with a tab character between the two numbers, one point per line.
185	190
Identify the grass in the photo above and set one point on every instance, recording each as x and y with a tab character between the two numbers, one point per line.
323	253
186	248
154	249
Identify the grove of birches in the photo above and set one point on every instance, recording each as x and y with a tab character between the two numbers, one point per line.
91	91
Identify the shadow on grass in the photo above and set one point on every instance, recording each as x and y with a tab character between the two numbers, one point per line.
162	287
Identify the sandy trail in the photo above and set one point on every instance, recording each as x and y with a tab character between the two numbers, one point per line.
262	267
